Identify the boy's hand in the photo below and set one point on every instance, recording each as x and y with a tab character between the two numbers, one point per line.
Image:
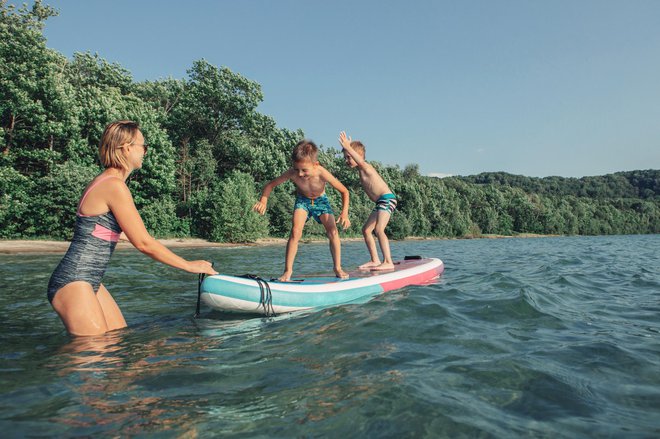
344	140
260	207
344	221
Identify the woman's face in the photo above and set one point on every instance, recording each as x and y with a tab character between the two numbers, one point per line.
137	149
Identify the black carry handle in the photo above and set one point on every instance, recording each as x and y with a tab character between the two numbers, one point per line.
199	291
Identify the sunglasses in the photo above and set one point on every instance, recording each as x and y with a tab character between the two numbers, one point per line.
144	145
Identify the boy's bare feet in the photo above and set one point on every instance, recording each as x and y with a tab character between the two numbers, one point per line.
383	266
341	273
286	276
369	265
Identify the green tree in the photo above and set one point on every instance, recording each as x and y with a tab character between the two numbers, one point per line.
15	198
215	102
232	218
33	101
53	209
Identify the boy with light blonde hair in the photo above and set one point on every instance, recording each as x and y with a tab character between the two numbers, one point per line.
379	192
310	179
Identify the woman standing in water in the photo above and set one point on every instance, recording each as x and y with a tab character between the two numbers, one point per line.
105	210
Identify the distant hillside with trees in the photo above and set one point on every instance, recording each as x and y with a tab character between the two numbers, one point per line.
631	184
211	151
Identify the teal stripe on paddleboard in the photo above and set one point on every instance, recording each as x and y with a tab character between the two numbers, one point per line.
252	293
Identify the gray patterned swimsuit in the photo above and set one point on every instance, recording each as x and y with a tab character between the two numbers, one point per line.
94	240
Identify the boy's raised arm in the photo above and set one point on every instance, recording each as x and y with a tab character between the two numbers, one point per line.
345	143
260	206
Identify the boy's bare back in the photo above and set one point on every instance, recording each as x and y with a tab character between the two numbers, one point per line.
372	183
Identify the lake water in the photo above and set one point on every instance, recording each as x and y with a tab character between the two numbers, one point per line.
542	337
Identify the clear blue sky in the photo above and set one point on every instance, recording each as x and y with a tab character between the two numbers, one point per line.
539	88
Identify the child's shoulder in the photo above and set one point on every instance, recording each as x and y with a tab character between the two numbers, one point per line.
366	166
289	174
325	171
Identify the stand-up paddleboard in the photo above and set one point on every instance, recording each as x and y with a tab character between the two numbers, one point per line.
254	295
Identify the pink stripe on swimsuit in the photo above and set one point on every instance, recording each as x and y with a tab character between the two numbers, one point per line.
105	234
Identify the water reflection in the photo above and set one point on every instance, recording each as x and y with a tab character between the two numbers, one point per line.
116	383
533	337
92	354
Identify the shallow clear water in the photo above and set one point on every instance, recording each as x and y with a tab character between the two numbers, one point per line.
547	337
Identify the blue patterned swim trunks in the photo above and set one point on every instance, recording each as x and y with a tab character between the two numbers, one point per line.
386	202
315	207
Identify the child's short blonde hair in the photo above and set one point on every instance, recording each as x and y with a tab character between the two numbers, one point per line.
305	150
359	147
114	137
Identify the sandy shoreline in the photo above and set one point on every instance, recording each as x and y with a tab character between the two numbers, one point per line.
15	247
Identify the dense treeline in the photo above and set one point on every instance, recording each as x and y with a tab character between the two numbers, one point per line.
633	184
211	151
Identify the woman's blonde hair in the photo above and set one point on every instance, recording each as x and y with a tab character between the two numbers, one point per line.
116	135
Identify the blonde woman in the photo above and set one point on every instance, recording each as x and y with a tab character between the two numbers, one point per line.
106	208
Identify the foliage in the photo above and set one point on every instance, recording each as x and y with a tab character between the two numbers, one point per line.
15	197
211	152
632	184
53	210
232	218
159	218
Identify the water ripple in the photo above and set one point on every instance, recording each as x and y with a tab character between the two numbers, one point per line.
552	337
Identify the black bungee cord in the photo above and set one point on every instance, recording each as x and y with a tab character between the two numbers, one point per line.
266	298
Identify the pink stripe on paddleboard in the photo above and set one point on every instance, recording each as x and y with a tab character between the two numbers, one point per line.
413	280
105	234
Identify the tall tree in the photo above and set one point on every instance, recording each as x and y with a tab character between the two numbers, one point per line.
33	101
